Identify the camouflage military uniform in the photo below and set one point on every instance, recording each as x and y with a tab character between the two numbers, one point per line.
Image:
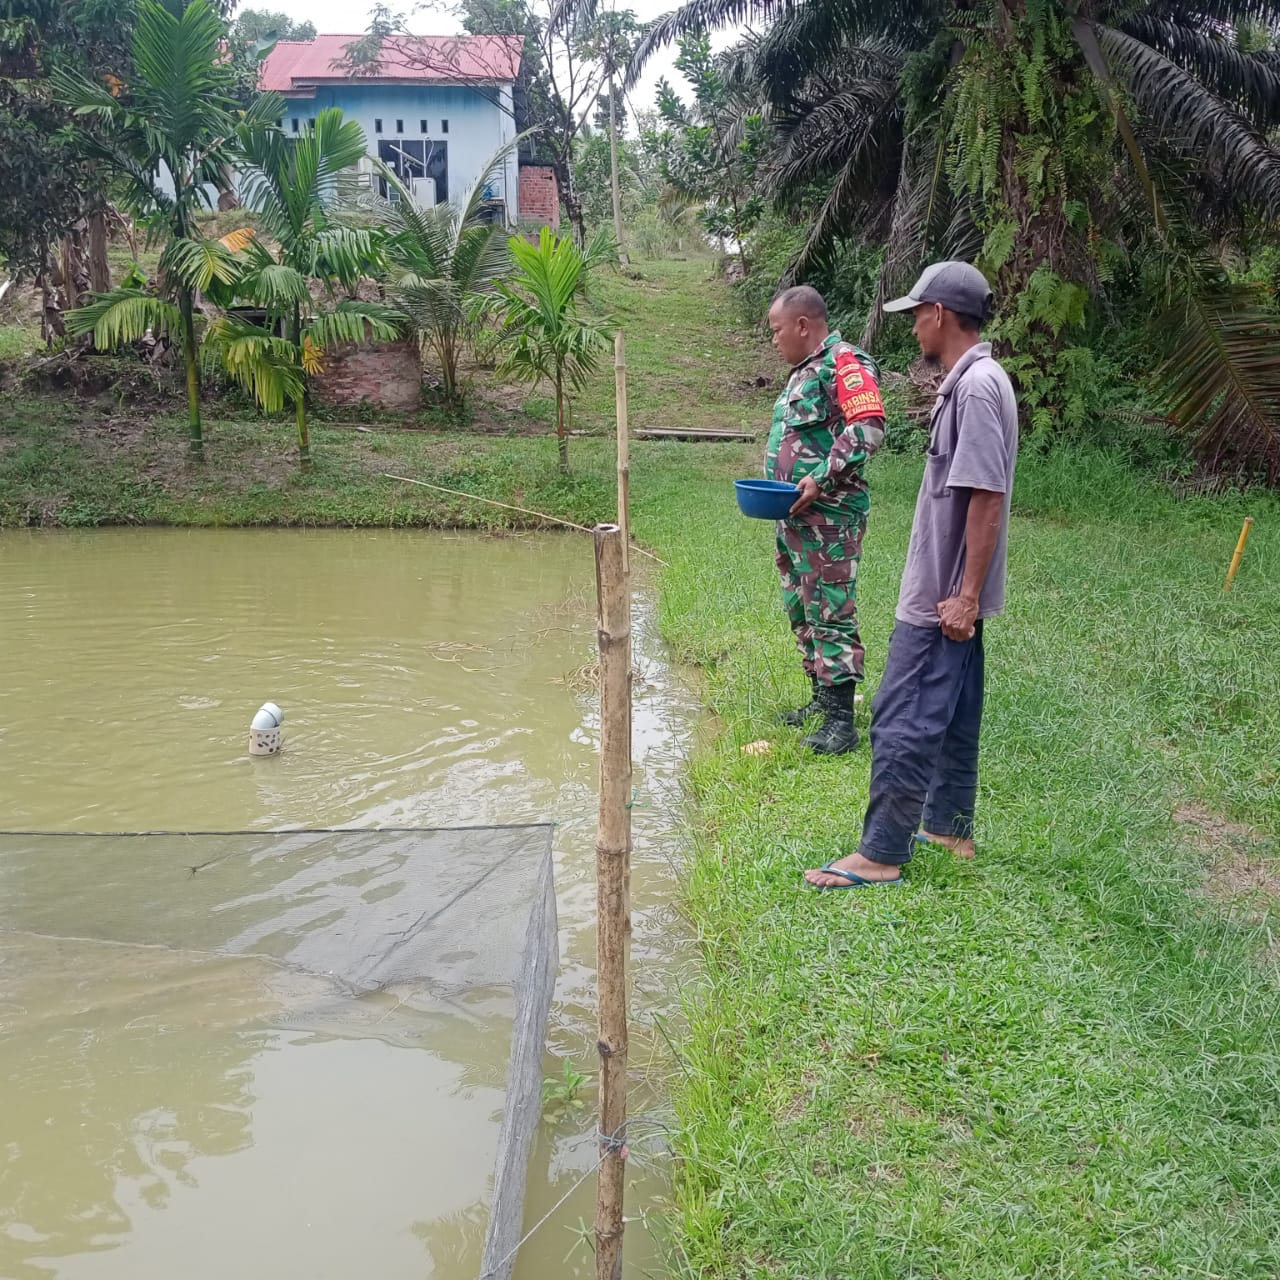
827	422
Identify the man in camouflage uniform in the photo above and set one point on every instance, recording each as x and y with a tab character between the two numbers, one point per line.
827	422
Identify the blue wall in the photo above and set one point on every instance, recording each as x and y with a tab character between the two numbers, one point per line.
478	126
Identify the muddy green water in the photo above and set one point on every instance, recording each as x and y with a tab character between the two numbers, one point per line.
165	1114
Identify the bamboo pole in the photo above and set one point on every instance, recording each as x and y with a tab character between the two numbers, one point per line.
613	923
624	448
1239	555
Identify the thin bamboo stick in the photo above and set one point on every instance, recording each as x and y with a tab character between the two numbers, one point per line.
624	448
507	506
1239	555
613	856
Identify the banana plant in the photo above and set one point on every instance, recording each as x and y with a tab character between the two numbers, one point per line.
294	186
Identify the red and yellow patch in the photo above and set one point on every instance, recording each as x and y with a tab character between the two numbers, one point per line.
856	389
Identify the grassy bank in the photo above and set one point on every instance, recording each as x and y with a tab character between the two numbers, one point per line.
1060	1060
118	455
1063	1059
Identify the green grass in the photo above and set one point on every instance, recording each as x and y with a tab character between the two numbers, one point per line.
1061	1060
17	340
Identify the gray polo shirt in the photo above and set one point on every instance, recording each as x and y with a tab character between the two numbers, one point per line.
973	444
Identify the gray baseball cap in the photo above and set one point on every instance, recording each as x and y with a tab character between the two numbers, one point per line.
955	285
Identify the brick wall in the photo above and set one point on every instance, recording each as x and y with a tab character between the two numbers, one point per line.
386	374
539	196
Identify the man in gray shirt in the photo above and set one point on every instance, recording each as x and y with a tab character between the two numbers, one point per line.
927	712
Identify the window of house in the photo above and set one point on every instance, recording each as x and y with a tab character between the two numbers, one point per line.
422	126
444	126
377	126
399	126
294	124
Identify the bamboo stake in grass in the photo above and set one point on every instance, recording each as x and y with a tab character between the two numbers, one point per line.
624	448
613	857
1235	559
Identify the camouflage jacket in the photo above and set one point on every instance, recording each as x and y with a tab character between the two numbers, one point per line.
827	422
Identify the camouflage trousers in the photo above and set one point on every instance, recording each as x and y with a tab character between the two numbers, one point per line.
819	568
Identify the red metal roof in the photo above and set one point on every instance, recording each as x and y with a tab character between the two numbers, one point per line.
298	65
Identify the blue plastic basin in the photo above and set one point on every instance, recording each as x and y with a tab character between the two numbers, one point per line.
765	499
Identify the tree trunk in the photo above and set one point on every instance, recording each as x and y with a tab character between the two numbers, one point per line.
52	325
190	358
304	435
572	202
99	266
562	436
228	198
614	190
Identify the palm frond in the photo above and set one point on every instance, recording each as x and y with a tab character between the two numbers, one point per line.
239	239
1221	382
123	316
354	321
817	28
1190	116
182	80
264	364
198	263
275	286
1249	81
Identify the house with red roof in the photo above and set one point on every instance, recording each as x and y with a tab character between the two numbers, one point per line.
433	108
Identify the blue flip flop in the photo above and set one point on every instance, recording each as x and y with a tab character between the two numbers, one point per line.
855	881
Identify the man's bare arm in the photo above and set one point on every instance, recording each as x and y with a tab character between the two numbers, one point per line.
981	533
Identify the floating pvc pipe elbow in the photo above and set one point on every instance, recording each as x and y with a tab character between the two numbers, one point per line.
264	732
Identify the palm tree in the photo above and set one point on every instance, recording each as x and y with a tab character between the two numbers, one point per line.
294	186
166	135
544	333
1048	140
442	263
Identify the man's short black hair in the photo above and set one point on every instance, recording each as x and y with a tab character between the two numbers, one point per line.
802	300
970	324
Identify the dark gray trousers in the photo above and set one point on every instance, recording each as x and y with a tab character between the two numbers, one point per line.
925	721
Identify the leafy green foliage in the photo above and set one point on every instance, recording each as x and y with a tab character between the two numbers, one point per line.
544	332
294	188
711	150
174	115
441	265
1003	133
48	175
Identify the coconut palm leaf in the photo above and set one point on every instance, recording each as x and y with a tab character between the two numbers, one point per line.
441	264
544	336
275	286
293	181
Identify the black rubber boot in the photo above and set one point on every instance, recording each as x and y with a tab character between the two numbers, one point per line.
837	735
797	718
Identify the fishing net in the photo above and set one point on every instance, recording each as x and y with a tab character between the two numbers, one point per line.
359	926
